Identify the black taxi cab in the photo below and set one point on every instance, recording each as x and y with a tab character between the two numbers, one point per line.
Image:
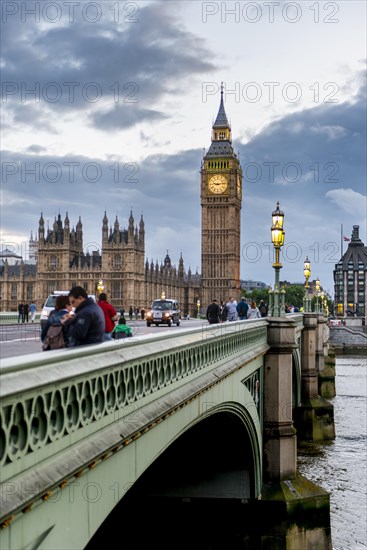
164	312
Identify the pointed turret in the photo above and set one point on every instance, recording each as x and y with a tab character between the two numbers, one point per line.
116	231
167	261
141	232
66	228
131	228
55	229
221	121
105	228
41	228
59	221
141	224
79	233
221	126
221	134
33	248
181	267
72	237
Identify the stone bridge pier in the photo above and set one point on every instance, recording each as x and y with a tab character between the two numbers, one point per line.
297	510
315	416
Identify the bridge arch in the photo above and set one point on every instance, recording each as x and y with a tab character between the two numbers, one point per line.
214	461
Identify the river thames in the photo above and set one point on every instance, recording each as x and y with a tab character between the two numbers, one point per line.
340	466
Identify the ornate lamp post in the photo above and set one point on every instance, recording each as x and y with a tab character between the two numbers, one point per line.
322	302
163	295
198	306
317	286
100	286
307	274
277	238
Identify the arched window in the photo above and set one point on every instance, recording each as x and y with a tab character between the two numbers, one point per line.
53	262
117	261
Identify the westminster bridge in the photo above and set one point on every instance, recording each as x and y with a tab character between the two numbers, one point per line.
82	429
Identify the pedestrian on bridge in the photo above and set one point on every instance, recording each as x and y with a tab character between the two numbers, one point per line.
62	309
213	312
253	312
122	330
87	325
20	312
25	313
223	311
110	315
242	309
32	310
232	309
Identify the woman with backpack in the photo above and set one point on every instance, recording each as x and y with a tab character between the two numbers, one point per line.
54	335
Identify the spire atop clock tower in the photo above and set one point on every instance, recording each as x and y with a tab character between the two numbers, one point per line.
221	121
221	144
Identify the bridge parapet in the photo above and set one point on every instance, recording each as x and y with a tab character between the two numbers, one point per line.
53	404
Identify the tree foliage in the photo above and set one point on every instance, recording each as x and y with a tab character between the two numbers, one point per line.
294	295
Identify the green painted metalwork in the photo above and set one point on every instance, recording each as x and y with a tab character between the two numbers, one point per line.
53	400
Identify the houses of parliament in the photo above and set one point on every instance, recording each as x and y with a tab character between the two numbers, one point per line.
58	258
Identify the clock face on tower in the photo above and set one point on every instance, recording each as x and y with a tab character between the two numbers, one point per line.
218	184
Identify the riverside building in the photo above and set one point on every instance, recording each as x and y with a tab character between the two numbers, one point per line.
350	279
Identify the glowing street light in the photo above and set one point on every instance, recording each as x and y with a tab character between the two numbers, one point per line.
307	274
317	288
277	238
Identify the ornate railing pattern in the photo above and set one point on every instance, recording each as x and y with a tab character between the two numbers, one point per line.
58	408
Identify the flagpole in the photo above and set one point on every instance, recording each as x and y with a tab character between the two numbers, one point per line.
341	238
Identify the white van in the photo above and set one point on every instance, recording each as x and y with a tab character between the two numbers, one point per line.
49	304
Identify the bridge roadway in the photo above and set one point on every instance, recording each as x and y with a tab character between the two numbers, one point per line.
22	339
80	427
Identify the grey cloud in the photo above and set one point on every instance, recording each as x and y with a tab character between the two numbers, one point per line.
35	149
84	60
326	142
125	116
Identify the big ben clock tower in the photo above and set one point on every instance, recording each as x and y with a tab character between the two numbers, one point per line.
221	198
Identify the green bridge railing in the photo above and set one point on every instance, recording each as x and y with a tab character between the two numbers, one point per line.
51	401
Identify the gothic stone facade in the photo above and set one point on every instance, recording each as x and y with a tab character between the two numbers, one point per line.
129	280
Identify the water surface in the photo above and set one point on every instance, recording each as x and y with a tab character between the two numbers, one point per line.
340	466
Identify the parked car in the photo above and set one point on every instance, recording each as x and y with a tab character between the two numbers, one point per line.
49	304
165	312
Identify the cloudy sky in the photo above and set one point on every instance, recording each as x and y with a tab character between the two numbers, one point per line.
108	106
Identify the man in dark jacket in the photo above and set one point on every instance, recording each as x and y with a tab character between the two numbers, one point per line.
213	312
242	308
87	325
